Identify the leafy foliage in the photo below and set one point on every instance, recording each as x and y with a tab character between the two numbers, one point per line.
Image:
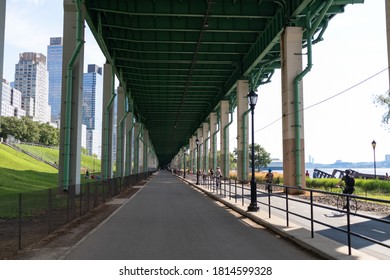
362	186
383	100
26	130
261	156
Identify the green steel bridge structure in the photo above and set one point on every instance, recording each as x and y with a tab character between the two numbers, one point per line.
183	68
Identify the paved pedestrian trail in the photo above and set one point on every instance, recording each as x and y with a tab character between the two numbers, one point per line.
170	220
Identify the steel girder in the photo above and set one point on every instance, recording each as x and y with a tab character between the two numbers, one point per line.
180	58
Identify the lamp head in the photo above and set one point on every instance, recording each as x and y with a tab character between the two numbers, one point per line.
252	98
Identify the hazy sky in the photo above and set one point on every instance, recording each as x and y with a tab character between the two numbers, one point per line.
354	49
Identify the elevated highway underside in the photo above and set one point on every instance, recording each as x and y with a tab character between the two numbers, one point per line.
178	62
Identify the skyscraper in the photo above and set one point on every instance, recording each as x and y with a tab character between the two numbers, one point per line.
11	105
31	79
92	108
54	66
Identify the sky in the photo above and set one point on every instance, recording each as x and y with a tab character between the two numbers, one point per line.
340	127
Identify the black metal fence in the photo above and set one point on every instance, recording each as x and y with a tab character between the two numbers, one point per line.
278	202
26	218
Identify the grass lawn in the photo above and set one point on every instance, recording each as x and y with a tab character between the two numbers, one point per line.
21	173
52	155
48	154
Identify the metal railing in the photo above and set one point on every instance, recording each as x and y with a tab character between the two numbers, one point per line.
26	218
278	202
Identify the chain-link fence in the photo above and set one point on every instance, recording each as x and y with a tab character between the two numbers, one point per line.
26	218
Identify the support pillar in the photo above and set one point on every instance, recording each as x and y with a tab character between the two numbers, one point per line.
291	47
200	153
71	115
205	149
193	154
2	34
137	128
108	111
120	143
213	140
388	34
242	131
145	151
224	119
129	142
141	149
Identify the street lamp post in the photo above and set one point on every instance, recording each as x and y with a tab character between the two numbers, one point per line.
184	154
197	161
373	144
252	98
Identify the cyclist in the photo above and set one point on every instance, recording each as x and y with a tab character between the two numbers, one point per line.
349	184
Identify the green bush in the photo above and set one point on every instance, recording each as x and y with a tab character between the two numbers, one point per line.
361	185
373	186
328	184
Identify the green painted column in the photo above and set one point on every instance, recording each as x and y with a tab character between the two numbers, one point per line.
192	154
242	131
137	128
205	150
108	110
181	159
141	149
2	34
224	122
120	135
195	155
129	142
201	143
145	150
291	45
73	143
213	140
388	34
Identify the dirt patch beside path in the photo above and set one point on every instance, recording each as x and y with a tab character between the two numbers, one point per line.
54	245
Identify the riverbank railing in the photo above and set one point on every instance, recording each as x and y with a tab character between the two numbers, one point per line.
360	229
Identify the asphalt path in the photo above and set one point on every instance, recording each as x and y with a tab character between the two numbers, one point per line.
170	220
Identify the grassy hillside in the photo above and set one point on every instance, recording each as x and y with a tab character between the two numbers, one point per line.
48	154
21	173
52	155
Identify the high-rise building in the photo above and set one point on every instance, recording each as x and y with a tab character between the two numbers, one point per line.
92	108
54	66
11	105
31	79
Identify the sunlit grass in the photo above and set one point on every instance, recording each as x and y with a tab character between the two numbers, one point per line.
21	173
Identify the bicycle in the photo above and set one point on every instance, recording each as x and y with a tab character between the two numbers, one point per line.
342	202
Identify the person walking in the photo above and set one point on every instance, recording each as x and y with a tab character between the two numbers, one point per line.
218	177
269	179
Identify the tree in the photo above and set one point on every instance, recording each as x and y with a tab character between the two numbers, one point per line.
48	135
262	157
383	100
26	130
31	132
233	161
